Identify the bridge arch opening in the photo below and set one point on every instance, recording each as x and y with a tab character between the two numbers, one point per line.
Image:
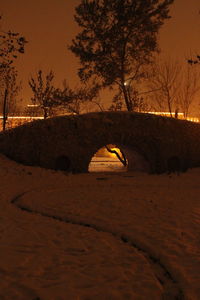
109	158
118	158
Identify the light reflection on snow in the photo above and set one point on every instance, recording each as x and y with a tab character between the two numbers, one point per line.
106	164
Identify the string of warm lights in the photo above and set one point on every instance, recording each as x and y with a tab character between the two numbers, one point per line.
14	121
173	114
23	117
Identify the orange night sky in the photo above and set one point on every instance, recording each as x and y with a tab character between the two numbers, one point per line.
48	25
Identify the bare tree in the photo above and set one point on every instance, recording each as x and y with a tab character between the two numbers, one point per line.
164	83
11	44
190	86
43	91
74	100
9	89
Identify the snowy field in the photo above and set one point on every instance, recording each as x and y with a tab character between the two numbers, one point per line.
98	236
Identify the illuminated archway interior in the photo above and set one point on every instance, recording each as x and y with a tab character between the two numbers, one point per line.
109	158
118	158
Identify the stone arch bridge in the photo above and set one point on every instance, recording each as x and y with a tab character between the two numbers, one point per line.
69	142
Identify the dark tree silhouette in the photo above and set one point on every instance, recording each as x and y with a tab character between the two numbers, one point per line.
47	97
117	40
72	99
9	89
11	44
121	158
43	91
194	61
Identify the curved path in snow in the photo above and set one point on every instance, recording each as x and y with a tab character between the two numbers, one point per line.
170	287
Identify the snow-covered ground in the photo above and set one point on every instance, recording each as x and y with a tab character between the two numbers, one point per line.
98	235
106	164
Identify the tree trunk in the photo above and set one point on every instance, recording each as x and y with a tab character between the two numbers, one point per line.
5	113
126	98
169	107
45	113
122	159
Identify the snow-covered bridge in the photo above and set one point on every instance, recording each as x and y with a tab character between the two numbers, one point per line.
69	142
